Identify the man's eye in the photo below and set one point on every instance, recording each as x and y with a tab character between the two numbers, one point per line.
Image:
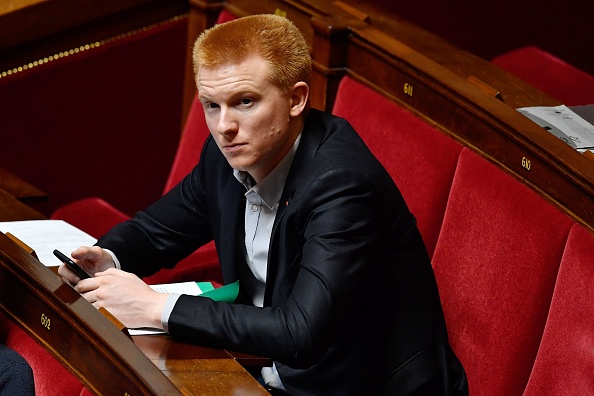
246	101
211	106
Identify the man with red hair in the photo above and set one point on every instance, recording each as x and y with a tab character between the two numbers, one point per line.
335	282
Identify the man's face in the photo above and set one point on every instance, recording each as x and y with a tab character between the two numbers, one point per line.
247	115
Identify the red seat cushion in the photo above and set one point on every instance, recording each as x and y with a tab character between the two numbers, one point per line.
420	159
495	263
565	361
550	74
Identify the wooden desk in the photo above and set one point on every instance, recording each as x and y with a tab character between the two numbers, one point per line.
93	348
197	369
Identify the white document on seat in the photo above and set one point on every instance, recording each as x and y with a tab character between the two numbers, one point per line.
564	123
44	236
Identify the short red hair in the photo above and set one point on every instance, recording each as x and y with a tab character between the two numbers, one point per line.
276	39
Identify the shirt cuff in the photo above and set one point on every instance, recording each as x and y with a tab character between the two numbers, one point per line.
116	262
167	310
169	304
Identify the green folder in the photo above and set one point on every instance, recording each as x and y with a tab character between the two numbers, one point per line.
227	293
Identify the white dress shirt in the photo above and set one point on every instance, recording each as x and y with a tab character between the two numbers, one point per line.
262	200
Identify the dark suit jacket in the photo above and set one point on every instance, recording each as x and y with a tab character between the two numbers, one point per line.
351	305
16	376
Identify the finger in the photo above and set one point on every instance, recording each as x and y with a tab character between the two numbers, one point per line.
68	274
89	285
86	253
116	272
91	299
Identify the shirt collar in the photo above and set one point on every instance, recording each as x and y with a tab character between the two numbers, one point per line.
270	187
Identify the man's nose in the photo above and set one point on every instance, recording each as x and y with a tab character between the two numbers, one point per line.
227	123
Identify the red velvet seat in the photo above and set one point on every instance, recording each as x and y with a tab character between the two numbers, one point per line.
550	74
419	158
496	262
565	361
95	216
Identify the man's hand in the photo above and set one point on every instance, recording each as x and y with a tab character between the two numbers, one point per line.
90	259
125	296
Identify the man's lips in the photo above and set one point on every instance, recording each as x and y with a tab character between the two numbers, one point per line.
232	148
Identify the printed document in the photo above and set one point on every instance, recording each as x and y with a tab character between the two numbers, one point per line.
564	123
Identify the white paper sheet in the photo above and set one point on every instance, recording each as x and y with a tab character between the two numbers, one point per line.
44	236
190	288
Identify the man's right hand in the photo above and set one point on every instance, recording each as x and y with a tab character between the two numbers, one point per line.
91	259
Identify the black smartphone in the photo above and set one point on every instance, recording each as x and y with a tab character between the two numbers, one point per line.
71	264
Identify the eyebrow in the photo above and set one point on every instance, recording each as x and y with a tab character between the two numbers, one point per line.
236	94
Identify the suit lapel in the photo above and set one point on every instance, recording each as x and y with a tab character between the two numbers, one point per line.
232	221
311	138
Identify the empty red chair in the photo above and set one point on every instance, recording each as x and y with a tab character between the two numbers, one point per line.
496	263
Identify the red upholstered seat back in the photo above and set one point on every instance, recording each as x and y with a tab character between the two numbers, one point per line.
495	263
420	159
550	74
565	361
188	151
225	16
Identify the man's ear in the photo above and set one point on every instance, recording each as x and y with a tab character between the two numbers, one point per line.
299	98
